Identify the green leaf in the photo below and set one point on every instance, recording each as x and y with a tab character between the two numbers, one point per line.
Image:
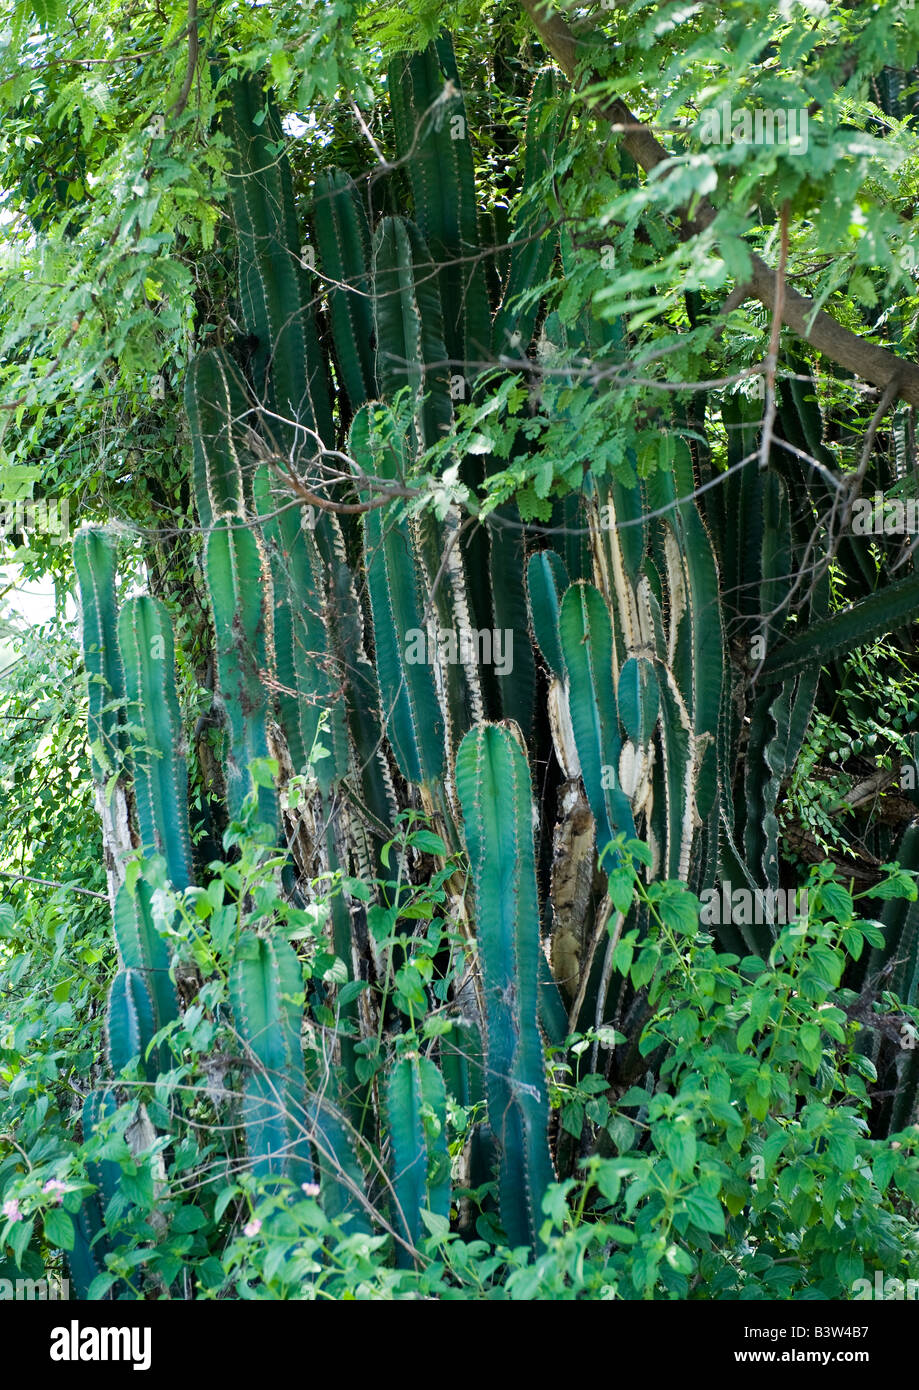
679	910
680	1147
58	1228
705	1212
426	842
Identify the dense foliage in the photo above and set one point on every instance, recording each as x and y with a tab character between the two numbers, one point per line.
467	846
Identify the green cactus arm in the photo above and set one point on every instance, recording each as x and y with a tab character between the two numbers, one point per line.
288	366
342	1181
903	1110
160	772
432	137
397	319
586	637
507	556
411	352
437	404
218	412
87	1258
738	522
265	981
890	607
741	938
767	756
94	556
409	327
547	582
571	539
804	395
630	531
131	1023
695	656
442	575
98	1107
493	786
553	1016
303	631
349	647
800	423
675	832
234	579
708	644
414	721
281	533
342	233
638	698
142	949
266	989
416	1103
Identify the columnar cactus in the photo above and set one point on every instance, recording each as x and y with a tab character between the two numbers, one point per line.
493	785
266	988
155	730
416	1106
630	621
234	579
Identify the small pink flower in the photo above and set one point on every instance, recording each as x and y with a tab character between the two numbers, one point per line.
11	1210
54	1185
252	1228
311	1189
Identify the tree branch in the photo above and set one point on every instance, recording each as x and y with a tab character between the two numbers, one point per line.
191	66
867	360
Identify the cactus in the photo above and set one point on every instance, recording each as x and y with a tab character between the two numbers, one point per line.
411	355
344	614
697	658
94	554
266	988
507	568
416	1103
131	1023
218	411
432	136
493	785
303	663
408	324
341	1179
638	698
630	617
547	582
234	579
342	234
288	368
891	607
586	638
155	723
92	1244
143	950
414	720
